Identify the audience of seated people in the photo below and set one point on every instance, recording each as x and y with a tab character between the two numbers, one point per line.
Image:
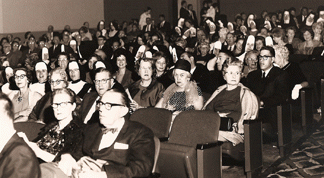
175	66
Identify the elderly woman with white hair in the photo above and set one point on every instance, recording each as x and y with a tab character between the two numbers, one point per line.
296	77
42	111
233	100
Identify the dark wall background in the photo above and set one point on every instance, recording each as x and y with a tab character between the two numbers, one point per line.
122	10
232	7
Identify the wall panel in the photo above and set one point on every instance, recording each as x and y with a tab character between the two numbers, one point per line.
36	15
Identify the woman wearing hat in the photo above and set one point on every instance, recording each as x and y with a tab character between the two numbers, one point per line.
183	94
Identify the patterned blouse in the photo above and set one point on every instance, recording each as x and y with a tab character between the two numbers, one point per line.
53	141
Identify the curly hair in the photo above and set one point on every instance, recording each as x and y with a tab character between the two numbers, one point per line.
61	72
29	74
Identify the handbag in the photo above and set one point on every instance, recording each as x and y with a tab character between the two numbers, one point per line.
226	124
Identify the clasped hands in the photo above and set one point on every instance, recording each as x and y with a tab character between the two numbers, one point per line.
85	167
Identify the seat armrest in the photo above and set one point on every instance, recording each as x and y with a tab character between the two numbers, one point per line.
164	139
208	145
251	121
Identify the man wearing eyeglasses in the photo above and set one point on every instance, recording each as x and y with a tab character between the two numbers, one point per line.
14	58
270	84
103	82
115	147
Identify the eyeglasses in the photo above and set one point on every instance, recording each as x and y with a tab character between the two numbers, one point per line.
251	59
62	104
108	106
62	59
103	81
264	58
231	73
57	82
22	76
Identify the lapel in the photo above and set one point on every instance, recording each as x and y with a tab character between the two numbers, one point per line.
92	98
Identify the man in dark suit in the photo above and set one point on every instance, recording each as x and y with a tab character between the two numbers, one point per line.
115	147
270	84
54	50
199	72
149	27
103	82
14	58
16	158
32	49
164	26
102	45
184	13
302	16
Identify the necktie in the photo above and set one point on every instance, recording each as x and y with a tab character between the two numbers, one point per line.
263	75
106	130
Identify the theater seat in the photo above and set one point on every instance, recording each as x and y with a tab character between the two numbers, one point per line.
31	129
192	150
284	122
250	151
157	119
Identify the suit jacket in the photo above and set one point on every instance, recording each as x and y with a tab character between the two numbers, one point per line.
184	13
90	98
273	90
18	160
134	161
25	53
152	29
165	28
53	53
201	76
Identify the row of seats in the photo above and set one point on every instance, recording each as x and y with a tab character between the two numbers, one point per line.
192	150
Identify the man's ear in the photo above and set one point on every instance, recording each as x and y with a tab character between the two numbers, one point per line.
124	111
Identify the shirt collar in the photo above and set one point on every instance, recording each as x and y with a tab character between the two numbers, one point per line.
267	71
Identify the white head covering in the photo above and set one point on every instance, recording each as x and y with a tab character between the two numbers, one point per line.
268	41
250	40
267	25
44	51
72	42
9	70
74	65
148	54
100	64
218	45
40	66
310	19
181	20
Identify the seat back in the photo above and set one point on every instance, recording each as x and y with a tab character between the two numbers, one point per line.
180	156
31	129
156	153
195	127
157	119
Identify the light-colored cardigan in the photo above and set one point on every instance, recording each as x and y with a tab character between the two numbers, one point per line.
249	104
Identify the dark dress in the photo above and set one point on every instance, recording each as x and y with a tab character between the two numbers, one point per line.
227	102
58	142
